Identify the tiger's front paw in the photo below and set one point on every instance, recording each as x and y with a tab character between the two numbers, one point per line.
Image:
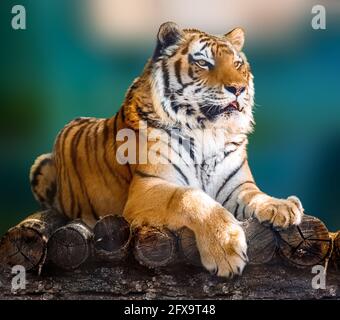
222	244
280	213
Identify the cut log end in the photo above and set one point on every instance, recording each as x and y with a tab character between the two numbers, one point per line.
71	245
26	243
22	246
112	237
155	247
305	245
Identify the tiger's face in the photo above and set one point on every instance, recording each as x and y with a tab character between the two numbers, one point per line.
203	81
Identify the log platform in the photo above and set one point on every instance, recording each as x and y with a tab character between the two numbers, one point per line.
69	260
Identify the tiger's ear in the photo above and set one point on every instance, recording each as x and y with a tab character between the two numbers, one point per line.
236	38
168	34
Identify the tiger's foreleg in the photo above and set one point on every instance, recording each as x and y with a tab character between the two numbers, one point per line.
245	199
219	236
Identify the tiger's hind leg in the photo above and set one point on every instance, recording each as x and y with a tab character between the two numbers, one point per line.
43	181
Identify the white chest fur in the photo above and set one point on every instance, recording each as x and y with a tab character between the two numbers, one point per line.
217	154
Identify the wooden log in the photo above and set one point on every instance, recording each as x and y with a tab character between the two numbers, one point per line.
112	237
337	246
187	247
261	242
335	257
155	247
307	244
71	245
26	243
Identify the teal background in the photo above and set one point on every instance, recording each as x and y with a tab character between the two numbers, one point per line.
50	74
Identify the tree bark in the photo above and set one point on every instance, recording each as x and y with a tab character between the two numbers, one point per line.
132	281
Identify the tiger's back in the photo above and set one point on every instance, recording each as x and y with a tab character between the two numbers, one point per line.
82	177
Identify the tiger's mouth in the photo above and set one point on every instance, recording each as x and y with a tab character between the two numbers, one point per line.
211	111
232	106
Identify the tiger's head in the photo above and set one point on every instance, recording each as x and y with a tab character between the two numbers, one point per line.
202	81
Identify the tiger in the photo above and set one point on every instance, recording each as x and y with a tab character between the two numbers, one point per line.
200	87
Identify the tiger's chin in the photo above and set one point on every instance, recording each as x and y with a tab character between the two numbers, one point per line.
233	121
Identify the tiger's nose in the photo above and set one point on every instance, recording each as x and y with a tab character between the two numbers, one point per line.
235	90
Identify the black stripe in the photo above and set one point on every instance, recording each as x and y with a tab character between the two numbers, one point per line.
74	146
236	209
95	150
233	173
87	143
178	154
73	149
169	160
204	39
192	149
37	171
122	113
228	153
204	46
244	212
104	143
77	123
231	193
175	106
238	143
190	73
188	147
73	153
129	169
115	133
180	172
166	82
188	144
186	48
201	175
178	64
66	177
104	146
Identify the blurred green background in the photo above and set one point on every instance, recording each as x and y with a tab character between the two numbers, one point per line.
77	58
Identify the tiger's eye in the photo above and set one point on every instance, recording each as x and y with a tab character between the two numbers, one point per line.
238	64
202	63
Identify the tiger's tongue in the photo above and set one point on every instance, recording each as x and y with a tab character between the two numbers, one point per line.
234	104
